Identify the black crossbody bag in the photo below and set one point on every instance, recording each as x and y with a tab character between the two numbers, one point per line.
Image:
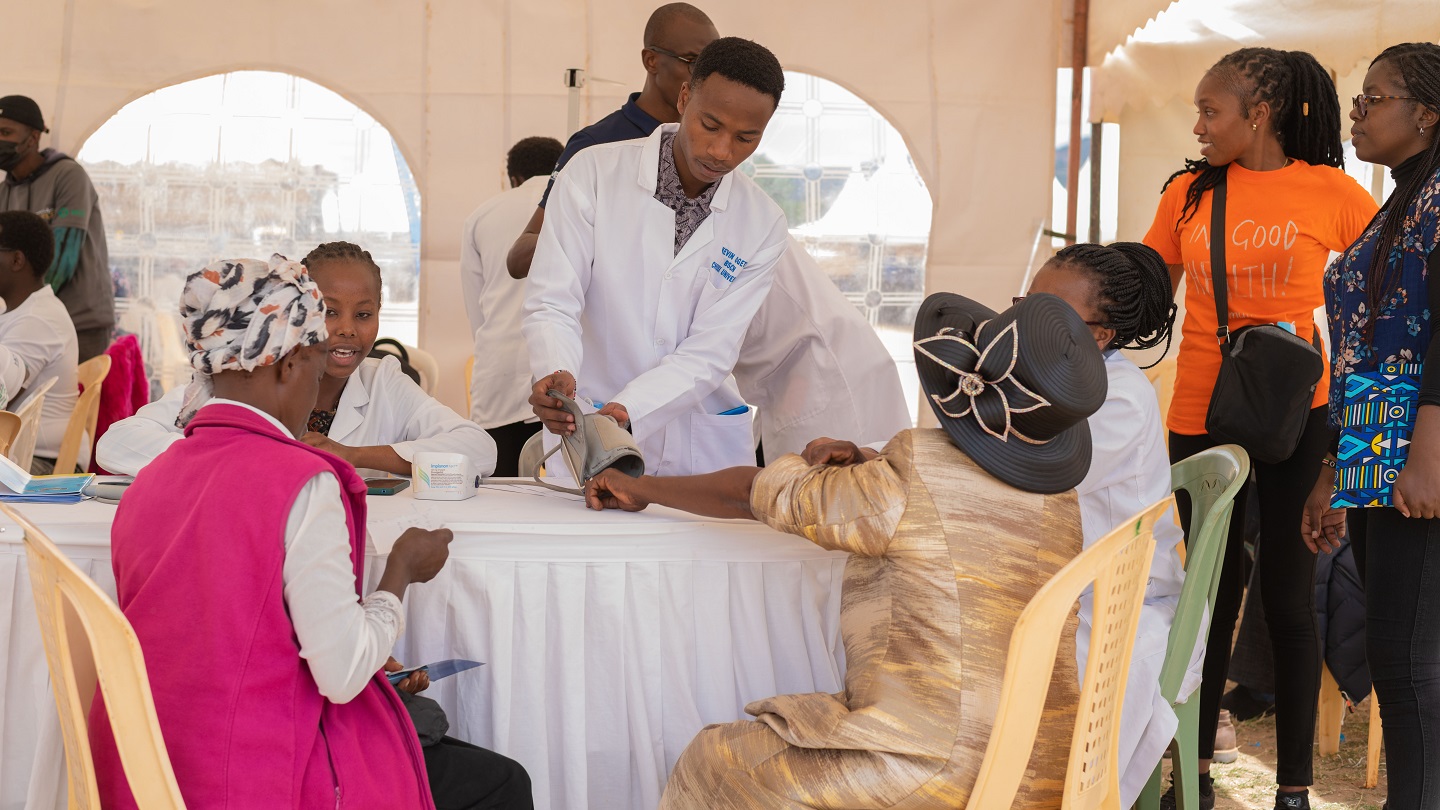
1267	376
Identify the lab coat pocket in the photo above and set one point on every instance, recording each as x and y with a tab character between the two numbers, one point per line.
717	442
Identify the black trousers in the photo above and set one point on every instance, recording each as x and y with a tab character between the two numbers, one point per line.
1287	570
509	441
468	777
1399	560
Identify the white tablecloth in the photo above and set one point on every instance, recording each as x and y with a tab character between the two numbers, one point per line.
609	639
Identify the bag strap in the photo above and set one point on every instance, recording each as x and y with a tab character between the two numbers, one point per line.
1218	268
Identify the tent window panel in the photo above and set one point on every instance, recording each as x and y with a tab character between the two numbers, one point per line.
246	164
852	196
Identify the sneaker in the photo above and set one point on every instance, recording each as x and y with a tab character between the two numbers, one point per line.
1226	749
1292	801
1207	794
1245	703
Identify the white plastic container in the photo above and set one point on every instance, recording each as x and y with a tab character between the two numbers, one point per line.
443	477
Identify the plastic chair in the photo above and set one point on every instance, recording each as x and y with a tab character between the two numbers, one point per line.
1331	716
92	374
9	428
87	637
1212	479
469	378
22	449
1119	566
1162	378
428	368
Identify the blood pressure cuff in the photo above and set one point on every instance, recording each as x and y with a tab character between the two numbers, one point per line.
598	443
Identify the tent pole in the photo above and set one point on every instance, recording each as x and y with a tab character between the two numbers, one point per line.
1078	48
1097	132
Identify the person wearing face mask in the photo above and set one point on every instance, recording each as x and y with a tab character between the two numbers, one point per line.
674	35
50	183
655	258
1383	294
1269	126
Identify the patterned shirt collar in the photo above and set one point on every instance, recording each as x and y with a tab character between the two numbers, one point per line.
670	191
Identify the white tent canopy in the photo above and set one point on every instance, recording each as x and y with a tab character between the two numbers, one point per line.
1163	61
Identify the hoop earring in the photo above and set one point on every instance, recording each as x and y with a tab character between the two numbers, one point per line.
1422	129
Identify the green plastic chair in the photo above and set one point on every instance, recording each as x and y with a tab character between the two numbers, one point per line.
1212	479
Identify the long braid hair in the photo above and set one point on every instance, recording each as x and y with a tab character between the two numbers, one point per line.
343	251
1304	110
1132	288
1418	64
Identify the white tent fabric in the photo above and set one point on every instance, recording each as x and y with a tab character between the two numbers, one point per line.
970	85
1162	61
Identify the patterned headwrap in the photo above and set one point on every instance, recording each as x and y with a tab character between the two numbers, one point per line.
240	314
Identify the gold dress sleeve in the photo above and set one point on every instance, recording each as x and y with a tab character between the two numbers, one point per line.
854	509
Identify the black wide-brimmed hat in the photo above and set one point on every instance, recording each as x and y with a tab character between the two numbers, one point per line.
1013	389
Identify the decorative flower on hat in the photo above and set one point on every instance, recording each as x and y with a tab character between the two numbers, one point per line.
985	379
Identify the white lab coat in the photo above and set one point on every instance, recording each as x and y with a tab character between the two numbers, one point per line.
1129	470
495	302
611	302
379	405
813	366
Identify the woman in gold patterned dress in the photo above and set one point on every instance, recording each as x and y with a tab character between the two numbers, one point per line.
951	533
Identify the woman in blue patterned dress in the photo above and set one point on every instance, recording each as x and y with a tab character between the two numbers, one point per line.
1382	294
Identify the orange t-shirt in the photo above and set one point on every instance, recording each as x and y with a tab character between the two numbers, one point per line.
1282	226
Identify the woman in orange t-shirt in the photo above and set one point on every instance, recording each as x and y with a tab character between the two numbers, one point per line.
1269	123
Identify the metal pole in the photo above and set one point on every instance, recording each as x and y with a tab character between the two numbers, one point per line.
1096	143
1078	46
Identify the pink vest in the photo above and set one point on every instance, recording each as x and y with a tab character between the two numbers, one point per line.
197	547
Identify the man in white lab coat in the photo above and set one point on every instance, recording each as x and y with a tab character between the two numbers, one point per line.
813	366
494	302
675	34
654	257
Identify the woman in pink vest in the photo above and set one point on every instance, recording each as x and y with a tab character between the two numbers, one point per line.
238	557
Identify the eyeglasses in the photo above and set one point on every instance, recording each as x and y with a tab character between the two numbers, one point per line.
1363	101
1017	299
686	60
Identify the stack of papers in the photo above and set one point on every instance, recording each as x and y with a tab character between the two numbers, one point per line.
47	489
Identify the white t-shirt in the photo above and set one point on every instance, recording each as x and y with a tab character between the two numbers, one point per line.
37	343
379	405
495	304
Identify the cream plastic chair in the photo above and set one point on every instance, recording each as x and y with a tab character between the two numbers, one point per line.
9	428
87	638
425	364
22	449
1119	566
1162	378
87	411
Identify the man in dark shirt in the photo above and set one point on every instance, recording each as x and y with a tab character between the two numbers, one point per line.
50	183
674	35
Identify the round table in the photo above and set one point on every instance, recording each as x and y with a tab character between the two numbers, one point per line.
609	639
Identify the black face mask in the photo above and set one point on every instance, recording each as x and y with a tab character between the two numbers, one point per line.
10	155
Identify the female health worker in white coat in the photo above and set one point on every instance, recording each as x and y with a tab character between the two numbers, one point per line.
1123	292
368	412
649	328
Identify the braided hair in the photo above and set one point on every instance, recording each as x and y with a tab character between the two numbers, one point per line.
1305	112
1418	64
1132	289
343	251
